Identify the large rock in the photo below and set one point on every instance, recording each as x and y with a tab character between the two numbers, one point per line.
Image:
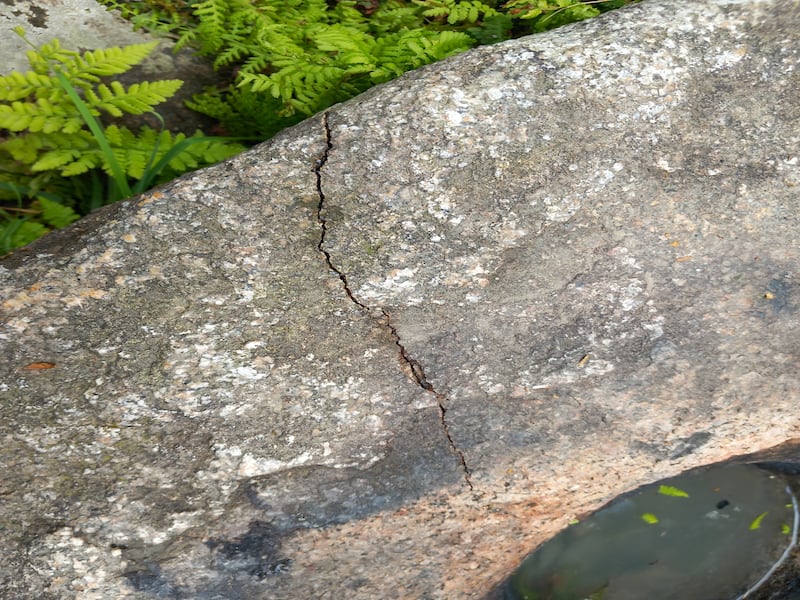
392	350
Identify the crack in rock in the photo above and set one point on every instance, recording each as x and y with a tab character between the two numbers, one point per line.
410	366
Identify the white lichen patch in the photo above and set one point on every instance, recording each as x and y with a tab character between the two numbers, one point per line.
254	466
510	233
396	280
560	210
593	367
727	58
631	296
441	208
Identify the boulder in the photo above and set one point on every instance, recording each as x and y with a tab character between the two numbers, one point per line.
389	352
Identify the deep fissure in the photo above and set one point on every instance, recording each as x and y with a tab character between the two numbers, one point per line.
409	364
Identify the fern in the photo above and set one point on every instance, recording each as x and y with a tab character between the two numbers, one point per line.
162	16
55	214
212	15
456	11
548	14
290	58
22	226
54	149
137	99
36	101
308	55
242	113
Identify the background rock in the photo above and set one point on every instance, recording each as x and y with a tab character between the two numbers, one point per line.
389	352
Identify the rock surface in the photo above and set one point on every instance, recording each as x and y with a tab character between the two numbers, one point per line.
389	352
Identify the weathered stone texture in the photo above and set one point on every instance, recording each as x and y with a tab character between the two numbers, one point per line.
387	353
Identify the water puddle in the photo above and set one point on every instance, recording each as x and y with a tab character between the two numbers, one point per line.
712	534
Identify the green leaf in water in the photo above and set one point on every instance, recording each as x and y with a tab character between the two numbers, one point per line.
668	490
756	524
650	518
786	529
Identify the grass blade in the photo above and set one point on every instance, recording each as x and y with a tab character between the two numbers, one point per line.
99	136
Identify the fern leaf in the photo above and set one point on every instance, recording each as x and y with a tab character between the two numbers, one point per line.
42	59
187	38
24	148
17	232
55	214
547	14
212	15
437	11
16	85
215	151
55	159
230	55
340	39
27	148
15	117
109	61
113	134
137	99
19	116
84	163
456	11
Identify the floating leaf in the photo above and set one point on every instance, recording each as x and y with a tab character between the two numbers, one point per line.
650	518
756	524
668	490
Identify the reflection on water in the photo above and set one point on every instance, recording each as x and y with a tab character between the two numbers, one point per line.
712	534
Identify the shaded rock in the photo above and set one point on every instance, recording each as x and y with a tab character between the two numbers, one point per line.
392	350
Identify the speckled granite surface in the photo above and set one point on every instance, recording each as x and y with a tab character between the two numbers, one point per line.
387	353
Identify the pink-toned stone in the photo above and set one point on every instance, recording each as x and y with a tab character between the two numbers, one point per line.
391	351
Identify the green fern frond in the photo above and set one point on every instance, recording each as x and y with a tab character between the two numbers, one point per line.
456	11
42	58
29	148
88	68
547	14
392	17
16	85
187	38
16	232
83	164
244	113
135	152
55	214
53	146
55	159
38	116
346	44
212	15
107	61
413	49
137	99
